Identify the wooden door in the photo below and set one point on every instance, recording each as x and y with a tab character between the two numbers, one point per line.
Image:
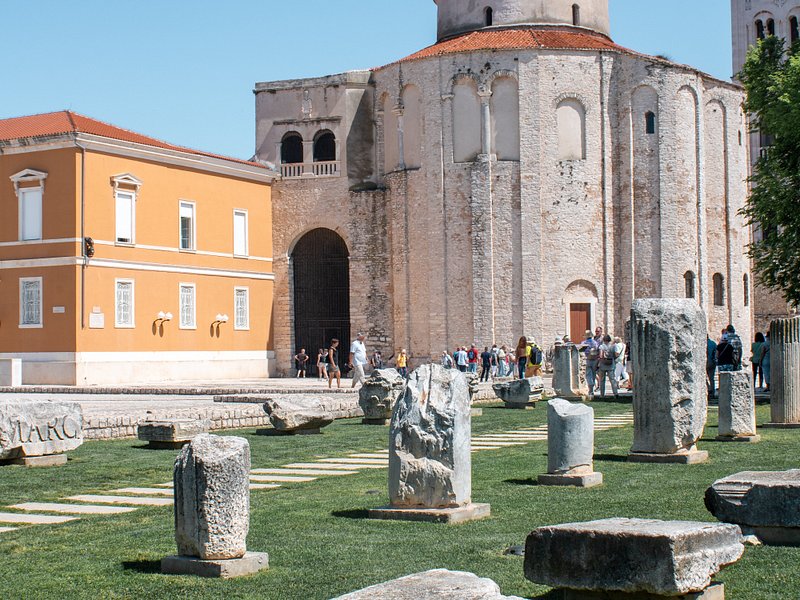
580	320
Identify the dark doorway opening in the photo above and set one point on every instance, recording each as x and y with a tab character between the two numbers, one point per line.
321	265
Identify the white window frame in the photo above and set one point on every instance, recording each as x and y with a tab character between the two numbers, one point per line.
132	194
193	287
242	211
236	325
21	193
22	324
117	323
193	245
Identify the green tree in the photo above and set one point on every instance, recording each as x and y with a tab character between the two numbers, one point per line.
771	76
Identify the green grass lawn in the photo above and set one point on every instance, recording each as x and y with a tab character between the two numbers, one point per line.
319	541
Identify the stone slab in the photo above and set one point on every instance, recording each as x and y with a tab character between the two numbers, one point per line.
288	432
438	584
780	426
107	499
49	460
461	514
39	428
7	529
318	472
143	491
297	414
264	486
73	509
28	519
695	457
492	442
748	439
475	412
373	455
716	591
338	466
587	480
173	433
757	499
250	564
355	461
281	479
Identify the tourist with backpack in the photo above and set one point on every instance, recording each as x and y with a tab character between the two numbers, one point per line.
591	352
729	351
535	358
522	356
607	365
472	359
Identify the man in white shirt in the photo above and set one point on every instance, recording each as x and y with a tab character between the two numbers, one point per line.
358	358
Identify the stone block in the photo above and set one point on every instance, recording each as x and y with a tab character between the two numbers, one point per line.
172	434
430	464
39	428
570	437
582	480
634	556
456	514
517	393
439	584
249	564
378	395
692	456
668	349
737	405
567	379
10	372
212	497
49	460
784	349
297	414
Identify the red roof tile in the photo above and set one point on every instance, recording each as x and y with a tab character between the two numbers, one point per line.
66	122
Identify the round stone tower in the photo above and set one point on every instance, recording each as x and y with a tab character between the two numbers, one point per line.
459	16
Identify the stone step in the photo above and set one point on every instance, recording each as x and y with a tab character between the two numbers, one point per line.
320	472
507	436
280	478
143	491
33	519
355	461
7	529
381	455
73	509
264	486
336	466
107	499
495	443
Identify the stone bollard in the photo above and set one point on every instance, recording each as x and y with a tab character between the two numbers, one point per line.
567	381
737	408
430	460
212	510
784	349
668	348
570	445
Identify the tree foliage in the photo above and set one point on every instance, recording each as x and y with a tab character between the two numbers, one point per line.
771	76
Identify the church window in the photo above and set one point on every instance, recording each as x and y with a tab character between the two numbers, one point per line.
746	283
794	29
650	122
291	149
760	29
505	118
689	283
770	26
719	290
489	14
576	15
324	147
571	117
391	148
466	121
412	127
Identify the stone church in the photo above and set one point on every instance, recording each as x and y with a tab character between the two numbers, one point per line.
523	175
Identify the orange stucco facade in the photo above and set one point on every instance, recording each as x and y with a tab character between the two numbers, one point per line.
103	319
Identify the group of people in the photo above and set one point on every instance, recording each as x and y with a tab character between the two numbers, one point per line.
526	359
726	355
607	358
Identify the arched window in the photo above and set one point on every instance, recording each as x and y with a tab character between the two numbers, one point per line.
466	121
794	29
719	290
324	147
505	118
746	284
650	122
489	16
770	26
689	279
291	148
571	118
576	15
412	127
760	29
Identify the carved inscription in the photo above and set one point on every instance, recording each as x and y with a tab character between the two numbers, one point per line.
38	428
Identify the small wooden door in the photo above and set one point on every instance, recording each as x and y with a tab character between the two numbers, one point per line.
580	320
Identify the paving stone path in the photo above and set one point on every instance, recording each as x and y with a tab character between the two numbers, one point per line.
128	499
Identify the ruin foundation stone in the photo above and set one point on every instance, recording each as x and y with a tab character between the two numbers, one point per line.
784	349
439	584
567	380
172	434
634	556
378	395
293	416
517	393
737	407
766	504
668	348
430	463
570	445
38	433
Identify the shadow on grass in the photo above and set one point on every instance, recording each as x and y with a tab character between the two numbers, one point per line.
528	481
142	566
551	595
611	457
356	513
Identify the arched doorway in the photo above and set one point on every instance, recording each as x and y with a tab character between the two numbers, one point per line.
321	265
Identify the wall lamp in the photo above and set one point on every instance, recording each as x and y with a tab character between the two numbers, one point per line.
163	317
220	319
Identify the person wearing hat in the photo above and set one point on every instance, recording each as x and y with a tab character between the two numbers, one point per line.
591	350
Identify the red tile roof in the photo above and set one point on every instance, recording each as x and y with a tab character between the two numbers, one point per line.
519	38
68	122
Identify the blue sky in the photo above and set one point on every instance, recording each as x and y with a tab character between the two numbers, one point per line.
183	70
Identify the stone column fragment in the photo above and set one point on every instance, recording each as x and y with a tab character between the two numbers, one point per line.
570	445
737	407
567	381
668	348
784	349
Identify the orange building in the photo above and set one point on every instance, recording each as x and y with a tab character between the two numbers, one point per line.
124	259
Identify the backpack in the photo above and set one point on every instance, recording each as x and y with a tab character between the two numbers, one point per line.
593	353
609	358
536	355
472	355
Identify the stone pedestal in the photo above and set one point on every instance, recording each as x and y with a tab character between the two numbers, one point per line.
430	460
737	407
212	509
567	380
171	435
10	372
784	350
631	556
668	348
50	460
570	445
37	432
